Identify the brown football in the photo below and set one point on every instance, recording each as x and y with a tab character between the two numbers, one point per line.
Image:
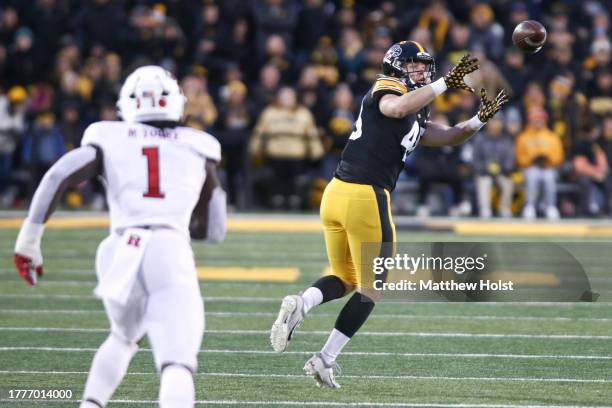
529	36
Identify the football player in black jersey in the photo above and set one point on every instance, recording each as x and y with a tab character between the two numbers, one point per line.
355	208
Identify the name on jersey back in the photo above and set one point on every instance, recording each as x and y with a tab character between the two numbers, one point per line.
151	133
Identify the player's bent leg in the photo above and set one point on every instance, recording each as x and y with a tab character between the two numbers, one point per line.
176	389
295	307
107	370
370	221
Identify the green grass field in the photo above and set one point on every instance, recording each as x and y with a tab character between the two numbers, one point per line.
406	355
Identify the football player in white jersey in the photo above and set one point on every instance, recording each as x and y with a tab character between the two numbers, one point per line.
162	191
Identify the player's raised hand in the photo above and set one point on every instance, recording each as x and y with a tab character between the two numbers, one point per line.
488	108
456	76
28	257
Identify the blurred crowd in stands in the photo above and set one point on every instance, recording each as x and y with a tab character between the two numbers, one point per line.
279	83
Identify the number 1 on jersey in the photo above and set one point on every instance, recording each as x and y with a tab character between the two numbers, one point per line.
152	154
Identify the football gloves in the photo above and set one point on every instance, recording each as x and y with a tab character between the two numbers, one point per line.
28	257
488	108
456	76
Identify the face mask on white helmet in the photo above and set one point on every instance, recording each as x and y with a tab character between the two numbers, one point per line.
151	93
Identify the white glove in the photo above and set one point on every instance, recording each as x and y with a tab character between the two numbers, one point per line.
28	257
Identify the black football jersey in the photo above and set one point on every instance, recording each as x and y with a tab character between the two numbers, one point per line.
378	146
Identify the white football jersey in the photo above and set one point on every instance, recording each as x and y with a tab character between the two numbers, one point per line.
153	176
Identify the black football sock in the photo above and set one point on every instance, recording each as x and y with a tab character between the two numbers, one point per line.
331	287
354	314
325	289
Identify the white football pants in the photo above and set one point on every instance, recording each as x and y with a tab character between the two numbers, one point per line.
165	302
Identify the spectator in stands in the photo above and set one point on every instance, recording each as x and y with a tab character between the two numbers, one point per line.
238	49
200	110
210	32
42	146
286	138
486	33
101	22
442	165
324	59
437	19
351	54
313	23
606	143
337	129
9	23
274	17
591	167
277	53
266	89
562	62
600	58
22	59
515	72
533	97
70	125
493	162
12	126
539	153
567	108
233	130
458	42
601	93
312	94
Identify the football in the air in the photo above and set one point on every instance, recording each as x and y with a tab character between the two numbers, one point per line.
529	36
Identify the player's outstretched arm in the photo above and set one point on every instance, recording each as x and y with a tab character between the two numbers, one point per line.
441	135
210	213
72	168
394	106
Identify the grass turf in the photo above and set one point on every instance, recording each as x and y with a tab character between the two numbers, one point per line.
505	354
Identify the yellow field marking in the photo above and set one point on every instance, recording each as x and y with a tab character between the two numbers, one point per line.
539	229
235	225
60	223
274	225
314	225
235	273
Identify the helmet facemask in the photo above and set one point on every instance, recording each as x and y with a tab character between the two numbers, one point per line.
419	72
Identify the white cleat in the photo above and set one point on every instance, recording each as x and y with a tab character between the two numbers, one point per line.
324	374
290	316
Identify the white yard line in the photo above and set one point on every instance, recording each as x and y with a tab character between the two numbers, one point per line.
358	377
348	353
381	315
365	333
277	299
335	404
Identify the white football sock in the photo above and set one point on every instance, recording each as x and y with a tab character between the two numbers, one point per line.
312	297
107	370
334	345
177	389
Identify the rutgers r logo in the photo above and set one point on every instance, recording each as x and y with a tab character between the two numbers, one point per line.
134	240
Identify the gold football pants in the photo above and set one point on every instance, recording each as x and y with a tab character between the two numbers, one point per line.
353	214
